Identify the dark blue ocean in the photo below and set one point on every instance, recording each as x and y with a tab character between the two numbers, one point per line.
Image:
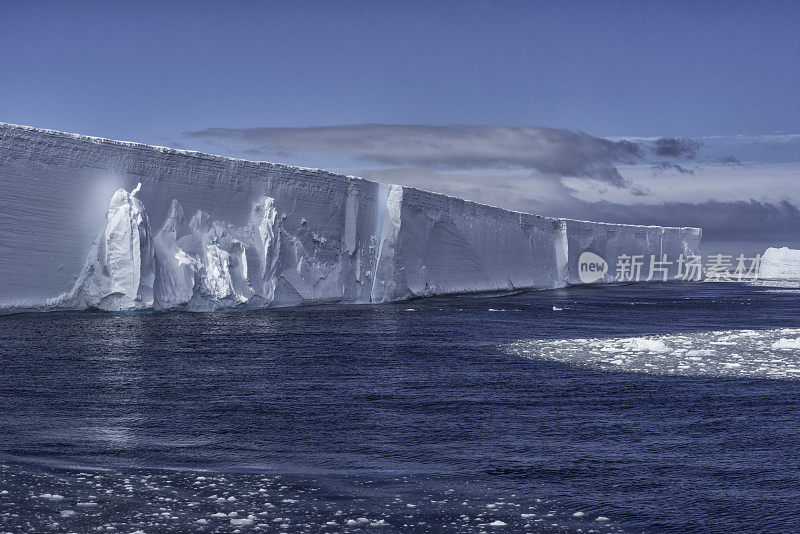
409	417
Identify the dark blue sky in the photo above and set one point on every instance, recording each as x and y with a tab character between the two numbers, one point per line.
140	69
251	79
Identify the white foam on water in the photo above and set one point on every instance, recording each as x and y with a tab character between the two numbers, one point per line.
773	353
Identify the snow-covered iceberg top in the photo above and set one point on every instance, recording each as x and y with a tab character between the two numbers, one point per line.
779	263
193	231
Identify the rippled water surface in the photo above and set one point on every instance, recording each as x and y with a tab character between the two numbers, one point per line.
636	408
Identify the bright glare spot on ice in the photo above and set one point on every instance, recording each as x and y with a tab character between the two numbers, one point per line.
771	353
184	259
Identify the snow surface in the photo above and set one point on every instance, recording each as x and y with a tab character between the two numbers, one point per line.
781	262
90	222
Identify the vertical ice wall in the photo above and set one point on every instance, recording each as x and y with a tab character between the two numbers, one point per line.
216	232
613	241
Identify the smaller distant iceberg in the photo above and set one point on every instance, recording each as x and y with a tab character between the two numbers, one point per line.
779	263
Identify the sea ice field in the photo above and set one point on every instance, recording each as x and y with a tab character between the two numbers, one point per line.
772	353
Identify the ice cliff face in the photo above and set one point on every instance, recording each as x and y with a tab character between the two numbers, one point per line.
119	272
205	264
205	232
781	262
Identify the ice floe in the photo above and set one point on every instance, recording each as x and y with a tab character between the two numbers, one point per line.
773	353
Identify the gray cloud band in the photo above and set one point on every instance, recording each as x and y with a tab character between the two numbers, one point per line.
552	153
675	147
547	150
754	221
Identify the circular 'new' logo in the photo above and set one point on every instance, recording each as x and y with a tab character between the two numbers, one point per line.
591	267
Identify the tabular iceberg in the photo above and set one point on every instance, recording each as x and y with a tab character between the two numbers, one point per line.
781	262
200	232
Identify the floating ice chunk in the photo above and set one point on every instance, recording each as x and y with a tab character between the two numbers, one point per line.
498	523
648	345
698	353
787	344
51	497
67	513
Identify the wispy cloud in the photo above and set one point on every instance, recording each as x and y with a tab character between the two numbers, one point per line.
762	139
547	150
662	166
729	161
